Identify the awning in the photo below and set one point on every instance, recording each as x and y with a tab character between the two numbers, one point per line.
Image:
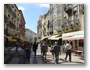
73	35
76	37
54	37
67	38
44	37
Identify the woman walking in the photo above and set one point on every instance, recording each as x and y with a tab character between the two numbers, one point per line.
52	51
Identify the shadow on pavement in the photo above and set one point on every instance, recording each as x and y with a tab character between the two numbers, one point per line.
65	61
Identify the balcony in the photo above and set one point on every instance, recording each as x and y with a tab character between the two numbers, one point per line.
68	9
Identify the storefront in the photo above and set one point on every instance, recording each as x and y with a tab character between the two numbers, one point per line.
76	39
55	38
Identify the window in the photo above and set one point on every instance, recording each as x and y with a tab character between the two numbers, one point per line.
8	15
15	10
12	7
12	19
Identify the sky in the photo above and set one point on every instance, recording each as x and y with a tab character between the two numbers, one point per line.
31	13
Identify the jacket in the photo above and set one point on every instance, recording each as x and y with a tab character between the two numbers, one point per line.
56	50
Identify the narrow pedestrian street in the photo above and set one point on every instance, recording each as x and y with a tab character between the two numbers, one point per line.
50	60
38	59
56	29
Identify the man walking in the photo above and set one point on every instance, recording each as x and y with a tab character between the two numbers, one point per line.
44	50
56	52
68	50
35	46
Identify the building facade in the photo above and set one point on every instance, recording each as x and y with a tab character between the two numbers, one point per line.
22	26
66	22
39	28
56	18
73	25
43	26
11	20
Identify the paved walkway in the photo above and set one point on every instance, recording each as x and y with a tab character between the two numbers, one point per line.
50	60
38	59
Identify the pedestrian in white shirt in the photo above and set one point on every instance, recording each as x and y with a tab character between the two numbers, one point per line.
68	50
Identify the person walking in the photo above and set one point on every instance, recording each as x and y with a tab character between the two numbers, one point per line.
27	54
56	52
52	51
35	46
68	50
44	49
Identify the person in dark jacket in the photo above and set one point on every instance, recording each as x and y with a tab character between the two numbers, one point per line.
56	52
35	46
44	50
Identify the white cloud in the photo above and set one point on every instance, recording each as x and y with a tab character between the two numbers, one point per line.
21	8
43	5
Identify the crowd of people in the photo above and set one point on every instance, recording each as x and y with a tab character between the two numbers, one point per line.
55	50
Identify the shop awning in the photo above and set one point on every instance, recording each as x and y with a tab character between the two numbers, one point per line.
44	37
54	37
73	35
76	37
67	38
